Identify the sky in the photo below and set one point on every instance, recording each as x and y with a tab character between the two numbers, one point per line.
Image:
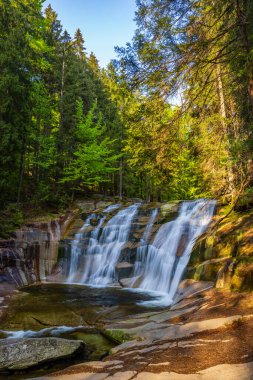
103	23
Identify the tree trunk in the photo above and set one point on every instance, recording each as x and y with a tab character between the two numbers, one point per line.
230	174
59	143
120	177
147	188
36	153
21	171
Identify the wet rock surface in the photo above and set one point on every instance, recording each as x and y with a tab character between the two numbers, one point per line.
17	354
224	253
206	336
207	330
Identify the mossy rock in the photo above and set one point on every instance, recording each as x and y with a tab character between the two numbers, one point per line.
168	212
169	207
242	279
116	335
202	251
208	270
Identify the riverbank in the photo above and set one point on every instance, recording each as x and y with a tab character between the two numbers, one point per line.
207	336
204	329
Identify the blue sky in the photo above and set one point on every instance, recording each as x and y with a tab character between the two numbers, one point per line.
104	23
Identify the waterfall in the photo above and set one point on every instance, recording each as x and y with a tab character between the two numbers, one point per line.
76	249
143	247
103	254
159	265
76	245
167	257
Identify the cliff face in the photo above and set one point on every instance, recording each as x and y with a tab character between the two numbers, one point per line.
31	254
224	254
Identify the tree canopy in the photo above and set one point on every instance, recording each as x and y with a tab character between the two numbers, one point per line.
171	118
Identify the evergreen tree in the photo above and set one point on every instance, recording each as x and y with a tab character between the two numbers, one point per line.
93	158
79	44
21	58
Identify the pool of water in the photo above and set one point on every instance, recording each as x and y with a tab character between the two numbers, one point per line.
69	312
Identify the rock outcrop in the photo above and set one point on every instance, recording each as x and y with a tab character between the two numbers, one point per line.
21	354
206	336
224	254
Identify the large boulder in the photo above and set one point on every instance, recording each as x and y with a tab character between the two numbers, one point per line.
21	354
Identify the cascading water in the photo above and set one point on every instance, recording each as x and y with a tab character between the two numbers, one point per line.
167	257
158	266
76	246
143	247
103	255
76	249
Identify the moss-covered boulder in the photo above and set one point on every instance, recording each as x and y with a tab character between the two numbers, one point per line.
242	279
209	269
116	335
224	254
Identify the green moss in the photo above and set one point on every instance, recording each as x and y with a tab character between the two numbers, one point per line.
116	335
224	249
169	208
208	270
242	279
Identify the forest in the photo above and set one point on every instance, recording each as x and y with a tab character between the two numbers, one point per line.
126	190
171	118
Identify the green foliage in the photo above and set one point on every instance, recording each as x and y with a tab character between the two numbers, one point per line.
200	52
93	157
45	151
11	218
67	126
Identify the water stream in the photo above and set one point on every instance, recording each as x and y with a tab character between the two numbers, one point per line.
143	247
87	291
166	258
159	265
103	254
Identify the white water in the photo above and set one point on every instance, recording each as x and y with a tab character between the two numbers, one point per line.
103	254
142	249
52	331
159	266
167	257
76	245
76	249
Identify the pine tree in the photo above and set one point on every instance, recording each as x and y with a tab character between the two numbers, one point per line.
93	158
21	59
78	44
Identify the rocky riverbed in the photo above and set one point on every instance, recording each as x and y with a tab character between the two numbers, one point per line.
205	336
114	333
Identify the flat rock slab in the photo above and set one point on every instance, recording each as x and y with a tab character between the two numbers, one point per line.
126	375
154	331
76	376
189	288
224	371
24	353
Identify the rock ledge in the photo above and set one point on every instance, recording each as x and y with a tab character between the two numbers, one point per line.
17	354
